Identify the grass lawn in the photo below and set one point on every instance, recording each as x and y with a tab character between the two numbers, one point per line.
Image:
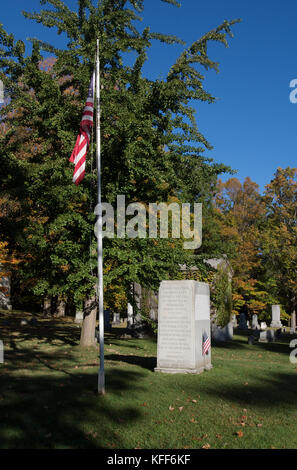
48	393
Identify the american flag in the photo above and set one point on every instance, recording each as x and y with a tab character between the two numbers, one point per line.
205	344
79	153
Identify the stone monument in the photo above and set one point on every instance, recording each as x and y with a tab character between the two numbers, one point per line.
116	318
222	333
5	291
267	336
255	324
107	325
234	321
242	322
79	316
183	320
275	323
129	315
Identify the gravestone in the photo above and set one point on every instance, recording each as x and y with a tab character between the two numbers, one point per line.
129	315
267	336
242	322
183	321
79	316
251	339
5	291
275	323
116	318
263	325
234	321
255	324
222	333
107	320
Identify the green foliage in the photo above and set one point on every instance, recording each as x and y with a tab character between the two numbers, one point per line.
151	147
221	297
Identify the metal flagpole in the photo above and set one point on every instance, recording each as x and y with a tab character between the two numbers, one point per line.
101	377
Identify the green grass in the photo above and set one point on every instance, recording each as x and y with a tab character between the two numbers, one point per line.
48	393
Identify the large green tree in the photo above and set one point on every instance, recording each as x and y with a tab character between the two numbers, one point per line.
152	150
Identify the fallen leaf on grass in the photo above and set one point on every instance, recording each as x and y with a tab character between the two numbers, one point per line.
181	408
193	420
239	433
194	401
259	425
206	446
171	408
219	436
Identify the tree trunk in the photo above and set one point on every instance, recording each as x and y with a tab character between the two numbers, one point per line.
87	337
60	309
47	306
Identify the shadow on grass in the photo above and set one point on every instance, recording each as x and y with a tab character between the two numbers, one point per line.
146	362
280	389
240	341
47	411
48	330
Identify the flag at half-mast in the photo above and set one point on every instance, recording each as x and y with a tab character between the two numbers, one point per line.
82	144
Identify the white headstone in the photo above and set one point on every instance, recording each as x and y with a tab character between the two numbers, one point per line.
183	319
79	316
5	292
255	324
263	325
129	315
116	318
267	336
275	323
234	321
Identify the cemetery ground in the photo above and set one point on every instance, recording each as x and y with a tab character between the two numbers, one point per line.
48	395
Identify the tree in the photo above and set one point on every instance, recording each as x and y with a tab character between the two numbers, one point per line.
147	127
240	212
279	237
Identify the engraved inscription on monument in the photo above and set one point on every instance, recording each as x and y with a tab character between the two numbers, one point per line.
183	318
176	345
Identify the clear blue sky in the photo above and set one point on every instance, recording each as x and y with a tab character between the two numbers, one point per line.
253	125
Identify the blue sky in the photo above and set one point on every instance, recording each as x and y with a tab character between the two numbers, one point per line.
253	125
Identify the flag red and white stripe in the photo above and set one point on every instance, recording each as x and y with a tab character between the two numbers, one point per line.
82	144
205	343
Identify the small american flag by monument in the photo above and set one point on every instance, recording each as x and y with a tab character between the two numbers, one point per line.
81	147
205	343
